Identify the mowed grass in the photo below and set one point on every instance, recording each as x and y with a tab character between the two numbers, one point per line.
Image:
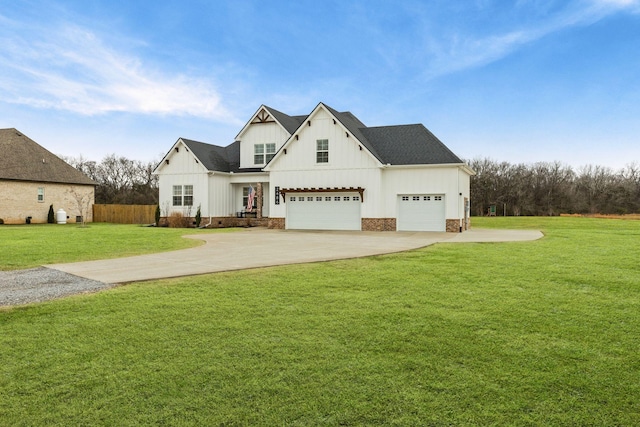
26	246
528	333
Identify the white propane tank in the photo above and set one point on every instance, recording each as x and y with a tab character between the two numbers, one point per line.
61	216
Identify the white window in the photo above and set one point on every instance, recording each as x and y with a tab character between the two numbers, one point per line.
416	198
309	199
405	198
322	151
336	199
188	195
346	198
258	154
183	195
356	198
270	151
177	195
40	194
327	198
263	153
437	198
318	199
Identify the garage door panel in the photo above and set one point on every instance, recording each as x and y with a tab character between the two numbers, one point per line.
421	212
338	211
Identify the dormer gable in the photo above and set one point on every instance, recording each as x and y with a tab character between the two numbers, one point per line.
347	123
263	135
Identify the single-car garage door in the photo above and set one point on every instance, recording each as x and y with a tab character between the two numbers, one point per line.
323	211
421	212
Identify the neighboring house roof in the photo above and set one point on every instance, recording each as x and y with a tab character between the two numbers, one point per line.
23	159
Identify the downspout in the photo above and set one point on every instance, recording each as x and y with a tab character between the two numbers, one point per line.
206	225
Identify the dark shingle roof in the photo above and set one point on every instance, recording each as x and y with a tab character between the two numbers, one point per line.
217	158
23	159
408	145
355	126
395	145
290	123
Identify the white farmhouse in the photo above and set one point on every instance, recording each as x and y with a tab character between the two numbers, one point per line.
322	171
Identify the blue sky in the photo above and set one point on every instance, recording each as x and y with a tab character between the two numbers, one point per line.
517	81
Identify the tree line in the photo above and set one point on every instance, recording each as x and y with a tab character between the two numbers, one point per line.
120	180
543	188
553	188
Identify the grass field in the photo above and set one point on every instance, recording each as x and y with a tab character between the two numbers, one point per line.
33	245
528	333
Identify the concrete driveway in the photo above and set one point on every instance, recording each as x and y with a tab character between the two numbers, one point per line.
260	247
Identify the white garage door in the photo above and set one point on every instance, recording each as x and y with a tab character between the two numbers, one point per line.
421	212
323	211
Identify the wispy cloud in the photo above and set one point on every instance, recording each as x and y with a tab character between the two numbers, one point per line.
72	68
459	50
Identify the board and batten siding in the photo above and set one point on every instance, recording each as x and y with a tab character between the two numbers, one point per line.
219	202
183	169
259	133
436	180
348	165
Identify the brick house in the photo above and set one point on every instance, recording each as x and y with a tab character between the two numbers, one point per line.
32	179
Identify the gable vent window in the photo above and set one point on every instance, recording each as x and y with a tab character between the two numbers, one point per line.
322	151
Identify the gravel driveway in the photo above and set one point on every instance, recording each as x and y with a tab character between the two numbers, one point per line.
42	284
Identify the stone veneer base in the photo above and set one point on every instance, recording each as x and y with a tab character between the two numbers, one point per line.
368	224
378	224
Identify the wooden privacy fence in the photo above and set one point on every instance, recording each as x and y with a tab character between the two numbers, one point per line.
125	214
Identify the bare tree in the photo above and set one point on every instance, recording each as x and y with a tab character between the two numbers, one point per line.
83	202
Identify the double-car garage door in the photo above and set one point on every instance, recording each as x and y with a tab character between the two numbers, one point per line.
421	212
342	211
323	211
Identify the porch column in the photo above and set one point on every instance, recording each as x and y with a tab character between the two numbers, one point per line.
259	204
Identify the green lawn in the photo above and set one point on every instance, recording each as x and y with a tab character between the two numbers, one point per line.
25	246
538	333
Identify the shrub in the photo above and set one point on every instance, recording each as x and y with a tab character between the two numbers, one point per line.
158	216
51	216
198	217
177	220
